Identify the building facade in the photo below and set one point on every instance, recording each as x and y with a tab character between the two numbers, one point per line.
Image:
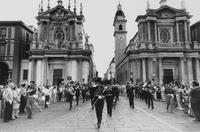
15	40
110	73
61	49
162	49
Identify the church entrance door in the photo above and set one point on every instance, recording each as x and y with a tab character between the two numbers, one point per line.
168	76
3	73
57	76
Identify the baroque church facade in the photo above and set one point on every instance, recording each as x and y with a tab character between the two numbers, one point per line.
161	50
61	49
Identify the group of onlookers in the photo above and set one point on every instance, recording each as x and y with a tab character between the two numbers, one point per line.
16	100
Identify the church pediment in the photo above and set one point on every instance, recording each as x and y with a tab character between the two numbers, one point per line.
167	12
58	12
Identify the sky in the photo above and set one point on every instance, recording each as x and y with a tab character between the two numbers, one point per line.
99	15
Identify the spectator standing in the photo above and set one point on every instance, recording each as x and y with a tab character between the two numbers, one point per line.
31	99
16	102
8	97
23	98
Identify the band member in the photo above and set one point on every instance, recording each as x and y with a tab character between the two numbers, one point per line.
195	99
98	102
130	93
150	93
59	92
77	93
83	93
70	94
92	89
109	100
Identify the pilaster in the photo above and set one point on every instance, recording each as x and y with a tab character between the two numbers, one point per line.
160	70
183	75
190	71
197	70
143	70
30	70
177	32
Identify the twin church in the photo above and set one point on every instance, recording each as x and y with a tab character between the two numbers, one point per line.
162	49
58	49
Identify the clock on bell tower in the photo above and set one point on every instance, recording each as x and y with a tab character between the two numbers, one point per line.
120	33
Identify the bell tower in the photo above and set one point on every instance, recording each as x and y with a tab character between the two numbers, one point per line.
120	33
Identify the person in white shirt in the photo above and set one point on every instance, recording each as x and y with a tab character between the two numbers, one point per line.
8	97
16	102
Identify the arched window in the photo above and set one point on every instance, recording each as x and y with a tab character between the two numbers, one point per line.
120	27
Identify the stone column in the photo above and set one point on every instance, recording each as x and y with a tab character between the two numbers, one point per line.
156	35
80	72
45	71
186	31
190	71
197	70
84	70
189	32
154	69
69	68
30	70
160	71
74	70
143	70
66	69
38	72
177	32
149	31
183	71
151	68
134	70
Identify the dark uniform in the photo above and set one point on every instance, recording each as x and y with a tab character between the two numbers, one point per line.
92	89
70	94
83	93
150	92
130	95
98	102
109	100
77	94
195	100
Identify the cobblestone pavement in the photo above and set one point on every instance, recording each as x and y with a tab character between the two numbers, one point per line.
58	118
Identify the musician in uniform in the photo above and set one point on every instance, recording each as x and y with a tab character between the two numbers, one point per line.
98	102
70	94
83	92
150	93
109	100
195	100
77	93
92	89
130	93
